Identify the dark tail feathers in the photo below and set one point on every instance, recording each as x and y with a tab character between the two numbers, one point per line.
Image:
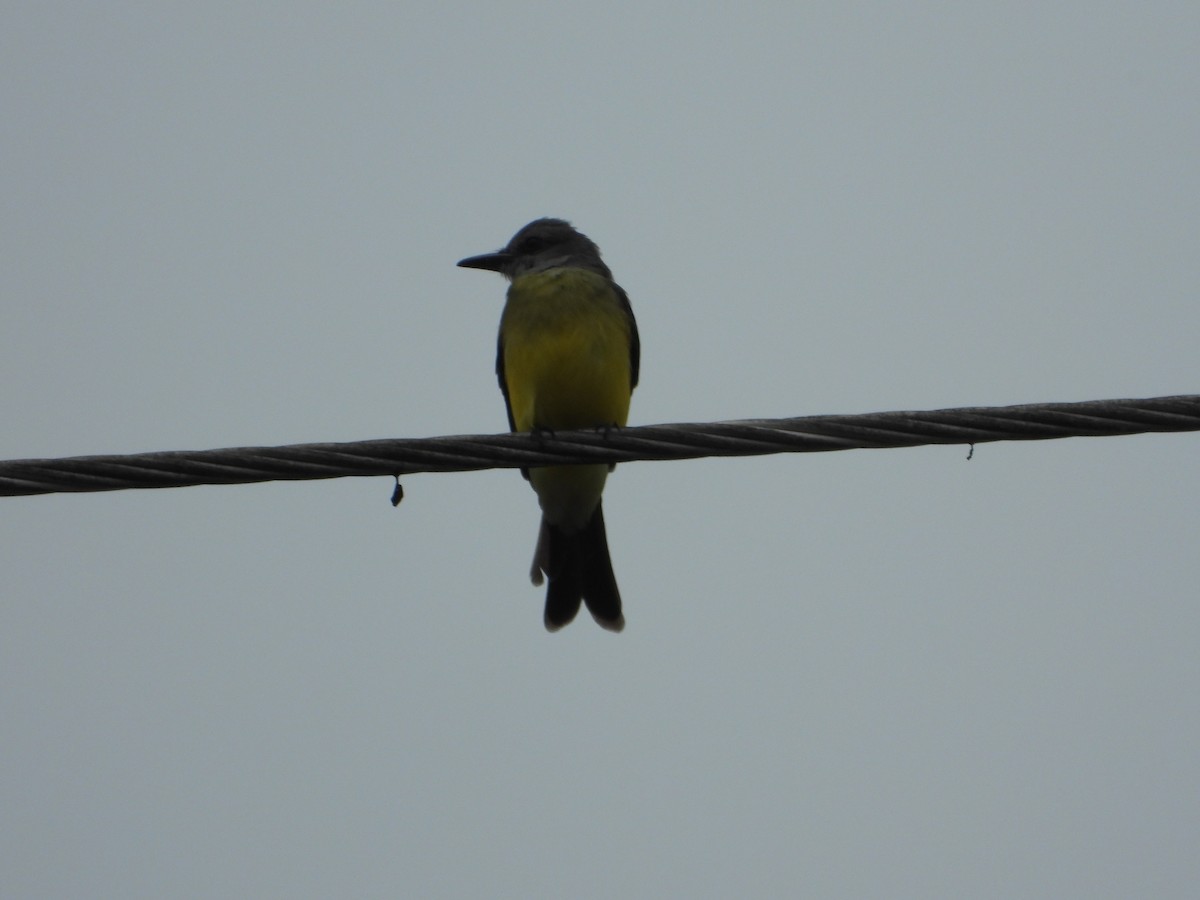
579	570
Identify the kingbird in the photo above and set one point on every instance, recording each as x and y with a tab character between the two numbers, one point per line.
567	357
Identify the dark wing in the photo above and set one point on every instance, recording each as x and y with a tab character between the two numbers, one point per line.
635	343
512	425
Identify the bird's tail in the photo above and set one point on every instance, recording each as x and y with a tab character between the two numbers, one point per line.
580	570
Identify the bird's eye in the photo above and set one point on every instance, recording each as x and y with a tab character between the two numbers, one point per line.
533	244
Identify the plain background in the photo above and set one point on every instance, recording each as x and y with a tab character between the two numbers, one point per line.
863	674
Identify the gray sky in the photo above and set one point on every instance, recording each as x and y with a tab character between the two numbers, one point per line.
864	674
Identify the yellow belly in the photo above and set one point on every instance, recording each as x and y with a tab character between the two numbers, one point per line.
566	343
566	351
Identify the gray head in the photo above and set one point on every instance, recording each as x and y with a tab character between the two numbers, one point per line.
540	245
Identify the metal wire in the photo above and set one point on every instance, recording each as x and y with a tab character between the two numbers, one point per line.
807	434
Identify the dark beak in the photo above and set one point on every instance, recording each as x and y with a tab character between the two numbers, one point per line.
493	262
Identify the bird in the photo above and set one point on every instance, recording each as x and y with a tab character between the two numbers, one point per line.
567	356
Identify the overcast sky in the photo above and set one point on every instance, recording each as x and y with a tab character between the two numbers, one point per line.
864	674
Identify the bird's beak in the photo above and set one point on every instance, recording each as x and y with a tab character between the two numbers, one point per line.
493	262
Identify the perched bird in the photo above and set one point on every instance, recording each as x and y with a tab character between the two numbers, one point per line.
567	357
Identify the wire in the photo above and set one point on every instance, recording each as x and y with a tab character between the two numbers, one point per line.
806	434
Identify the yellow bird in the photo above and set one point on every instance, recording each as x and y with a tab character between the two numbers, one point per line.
567	357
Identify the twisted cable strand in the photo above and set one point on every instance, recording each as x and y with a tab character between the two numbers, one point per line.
806	434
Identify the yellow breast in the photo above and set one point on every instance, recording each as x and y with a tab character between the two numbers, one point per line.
565	339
